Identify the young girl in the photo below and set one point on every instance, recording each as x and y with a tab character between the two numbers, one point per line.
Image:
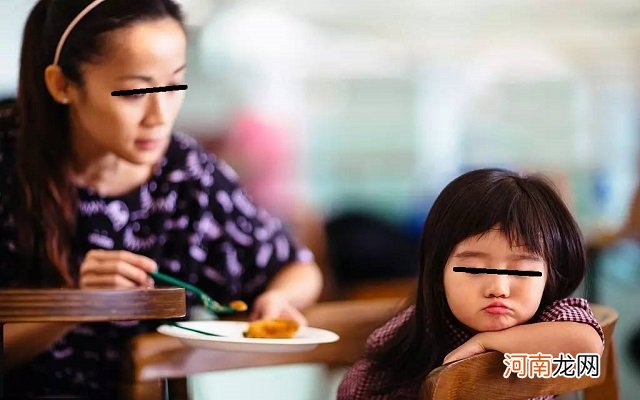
97	190
492	219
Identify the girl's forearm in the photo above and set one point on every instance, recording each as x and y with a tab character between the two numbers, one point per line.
544	337
300	283
24	341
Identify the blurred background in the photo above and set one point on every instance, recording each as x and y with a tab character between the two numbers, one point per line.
347	119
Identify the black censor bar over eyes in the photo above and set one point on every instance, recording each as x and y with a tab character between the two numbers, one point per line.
496	271
149	90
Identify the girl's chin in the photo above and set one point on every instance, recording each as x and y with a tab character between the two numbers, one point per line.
497	324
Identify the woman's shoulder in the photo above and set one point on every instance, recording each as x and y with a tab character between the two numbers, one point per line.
8	138
8	125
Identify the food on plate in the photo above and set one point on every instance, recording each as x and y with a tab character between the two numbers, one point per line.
238	305
272	329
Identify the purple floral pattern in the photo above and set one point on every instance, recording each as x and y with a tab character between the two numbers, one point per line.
191	217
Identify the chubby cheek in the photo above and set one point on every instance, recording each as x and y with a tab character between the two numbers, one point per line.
531	296
457	290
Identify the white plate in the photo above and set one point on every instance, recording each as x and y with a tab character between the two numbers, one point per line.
306	338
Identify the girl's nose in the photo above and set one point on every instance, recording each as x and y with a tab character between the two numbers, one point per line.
497	286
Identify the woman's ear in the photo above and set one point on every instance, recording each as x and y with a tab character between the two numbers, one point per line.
57	84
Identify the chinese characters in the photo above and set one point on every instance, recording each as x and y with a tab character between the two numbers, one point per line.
545	366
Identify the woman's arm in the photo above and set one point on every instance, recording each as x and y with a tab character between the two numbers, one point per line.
257	258
544	337
24	341
294	287
300	283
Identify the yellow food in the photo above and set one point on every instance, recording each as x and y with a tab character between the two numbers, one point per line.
272	329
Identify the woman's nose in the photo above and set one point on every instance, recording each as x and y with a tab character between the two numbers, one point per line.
497	286
156	109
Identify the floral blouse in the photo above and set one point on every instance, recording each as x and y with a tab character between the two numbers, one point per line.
191	217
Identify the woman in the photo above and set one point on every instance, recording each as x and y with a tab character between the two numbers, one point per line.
97	190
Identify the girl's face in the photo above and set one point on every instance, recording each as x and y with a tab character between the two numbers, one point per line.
491	302
134	128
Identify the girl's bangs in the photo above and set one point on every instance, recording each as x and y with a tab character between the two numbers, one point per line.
519	215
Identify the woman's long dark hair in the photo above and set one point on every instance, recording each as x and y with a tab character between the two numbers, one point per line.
47	203
528	211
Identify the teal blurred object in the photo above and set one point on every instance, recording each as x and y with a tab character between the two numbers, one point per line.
284	382
618	286
621	262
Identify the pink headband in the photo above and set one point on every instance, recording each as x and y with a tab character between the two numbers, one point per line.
72	25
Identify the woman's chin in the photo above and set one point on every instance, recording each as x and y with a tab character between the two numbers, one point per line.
145	159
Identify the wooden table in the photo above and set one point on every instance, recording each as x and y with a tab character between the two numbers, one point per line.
81	305
155	358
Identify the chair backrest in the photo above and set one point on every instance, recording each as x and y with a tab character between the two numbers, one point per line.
483	374
155	357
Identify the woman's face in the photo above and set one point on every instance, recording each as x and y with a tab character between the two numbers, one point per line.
134	128
471	295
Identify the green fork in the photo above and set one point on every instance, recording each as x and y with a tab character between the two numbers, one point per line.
193	330
212	305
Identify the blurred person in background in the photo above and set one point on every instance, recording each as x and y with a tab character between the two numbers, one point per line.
631	231
616	272
265	154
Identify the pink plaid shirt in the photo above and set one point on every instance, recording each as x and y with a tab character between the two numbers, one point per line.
362	377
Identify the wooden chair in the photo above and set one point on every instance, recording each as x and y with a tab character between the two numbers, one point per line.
156	359
481	376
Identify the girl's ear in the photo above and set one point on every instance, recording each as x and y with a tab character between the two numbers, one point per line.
57	84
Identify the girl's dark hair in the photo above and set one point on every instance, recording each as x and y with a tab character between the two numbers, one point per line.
46	215
528	211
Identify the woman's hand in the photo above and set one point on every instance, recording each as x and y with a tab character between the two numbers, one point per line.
115	270
273	304
469	348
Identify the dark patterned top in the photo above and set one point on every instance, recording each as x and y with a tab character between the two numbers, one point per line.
363	377
191	217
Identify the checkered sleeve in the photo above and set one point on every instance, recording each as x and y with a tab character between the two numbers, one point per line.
382	335
357	381
571	310
363	376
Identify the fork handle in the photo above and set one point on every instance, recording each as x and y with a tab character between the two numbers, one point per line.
194	330
177	282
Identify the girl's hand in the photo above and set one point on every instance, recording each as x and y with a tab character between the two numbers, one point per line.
115	270
469	348
273	304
